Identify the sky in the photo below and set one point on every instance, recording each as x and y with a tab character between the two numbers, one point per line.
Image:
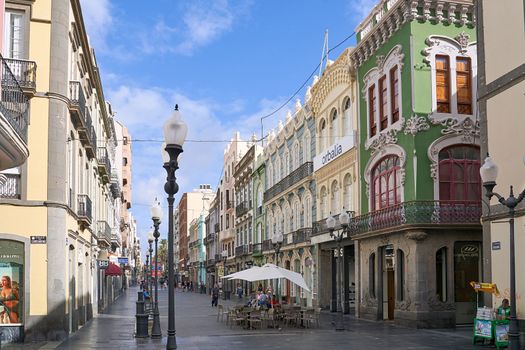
226	63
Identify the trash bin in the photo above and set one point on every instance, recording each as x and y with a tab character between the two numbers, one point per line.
142	326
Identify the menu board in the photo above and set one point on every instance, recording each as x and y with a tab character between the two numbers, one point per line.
483	329
501	331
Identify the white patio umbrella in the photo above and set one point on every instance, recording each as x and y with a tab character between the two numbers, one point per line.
269	272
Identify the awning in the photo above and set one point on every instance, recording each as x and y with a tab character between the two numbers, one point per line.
113	270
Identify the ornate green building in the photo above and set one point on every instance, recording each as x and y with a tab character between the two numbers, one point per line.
418	236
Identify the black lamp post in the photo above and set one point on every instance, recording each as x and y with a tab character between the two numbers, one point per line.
277	241
146	277
175	131
489	173
338	236
156	214
150	250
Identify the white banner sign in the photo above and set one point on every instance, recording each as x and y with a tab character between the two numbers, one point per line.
340	146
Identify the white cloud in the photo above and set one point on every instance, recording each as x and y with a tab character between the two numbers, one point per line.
98	21
359	9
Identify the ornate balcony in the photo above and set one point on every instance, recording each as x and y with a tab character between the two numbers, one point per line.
25	73
242	208
243	250
422	214
302	235
84	209
267	245
294	177
104	164
103	232
257	249
77	104
10	186
218	257
210	263
116	238
115	184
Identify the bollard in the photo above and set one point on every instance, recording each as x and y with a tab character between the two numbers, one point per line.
142	326
140	296
139	308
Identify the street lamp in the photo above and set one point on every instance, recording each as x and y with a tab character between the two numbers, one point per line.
150	250
146	278
489	173
175	131
156	214
338	236
277	241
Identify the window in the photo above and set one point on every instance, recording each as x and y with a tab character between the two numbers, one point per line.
334	126
372	275
307	148
386	183
323	202
14	34
394	94
441	274
348	195
400	266
383	107
307	209
334	205
124	161
459	178
443	83
463	85
227	221
323	135
372	110
347	117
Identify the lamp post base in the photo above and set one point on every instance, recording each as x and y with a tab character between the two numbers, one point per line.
156	333
172	342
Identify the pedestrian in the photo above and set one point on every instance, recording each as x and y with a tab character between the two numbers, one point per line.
191	286
239	290
215	295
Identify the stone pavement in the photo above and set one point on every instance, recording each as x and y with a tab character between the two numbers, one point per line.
197	328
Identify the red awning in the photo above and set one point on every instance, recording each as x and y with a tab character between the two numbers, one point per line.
113	270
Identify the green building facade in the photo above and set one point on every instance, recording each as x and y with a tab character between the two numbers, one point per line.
418	235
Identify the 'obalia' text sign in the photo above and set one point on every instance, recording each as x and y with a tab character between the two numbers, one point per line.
341	145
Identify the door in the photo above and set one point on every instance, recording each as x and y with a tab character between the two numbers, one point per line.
466	269
391	294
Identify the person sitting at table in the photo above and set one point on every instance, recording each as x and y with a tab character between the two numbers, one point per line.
274	302
503	311
261	299
251	301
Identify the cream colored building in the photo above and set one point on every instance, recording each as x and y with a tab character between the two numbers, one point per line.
501	104
334	108
61	211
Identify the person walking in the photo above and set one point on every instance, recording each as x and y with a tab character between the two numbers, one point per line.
215	295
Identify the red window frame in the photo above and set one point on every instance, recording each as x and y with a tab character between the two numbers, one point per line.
372	110
386	183
459	178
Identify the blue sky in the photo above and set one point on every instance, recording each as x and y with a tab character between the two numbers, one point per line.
225	62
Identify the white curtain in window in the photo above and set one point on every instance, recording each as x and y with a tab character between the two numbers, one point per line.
334	206
348	195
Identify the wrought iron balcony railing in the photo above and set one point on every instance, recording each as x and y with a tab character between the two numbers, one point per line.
103	231
210	262
84	207
295	176
10	188
413	213
104	163
257	249
242	208
24	71
302	235
14	104
77	104
267	245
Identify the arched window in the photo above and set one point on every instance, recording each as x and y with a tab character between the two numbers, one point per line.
295	156
307	147
347	118
386	183
441	274
296	215
323	195
260	197
348	193
269	176
322	135
459	178
283	167
286	167
400	272
277	170
334	205
307	211
334	126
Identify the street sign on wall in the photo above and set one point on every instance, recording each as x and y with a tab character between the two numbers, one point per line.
122	260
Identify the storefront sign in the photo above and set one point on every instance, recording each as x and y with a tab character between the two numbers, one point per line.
38	239
103	264
124	261
341	145
11	283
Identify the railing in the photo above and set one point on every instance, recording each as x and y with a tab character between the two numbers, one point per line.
239	250
295	176
103	230
302	235
257	248
11	187
267	245
84	206
210	238
103	158
218	257
14	104
24	72
76	95
210	262
242	208
92	135
414	213
115	236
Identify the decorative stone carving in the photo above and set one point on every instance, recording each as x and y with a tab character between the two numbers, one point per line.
416	235
466	128
380	61
384	138
415	124
369	301
434	171
435	304
463	40
405	305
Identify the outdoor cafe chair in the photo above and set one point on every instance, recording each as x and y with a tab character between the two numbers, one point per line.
238	318
290	317
221	313
313	317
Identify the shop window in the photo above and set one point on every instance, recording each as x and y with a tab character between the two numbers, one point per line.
11	282
400	271
441	274
372	275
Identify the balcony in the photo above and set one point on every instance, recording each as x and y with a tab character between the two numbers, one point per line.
302	235
294	177
104	164
217	228
116	238
210	238
422	214
25	73
242	208
103	232
84	209
210	263
218	257
10	188
241	250
77	104
115	184
257	249
267	245
91	145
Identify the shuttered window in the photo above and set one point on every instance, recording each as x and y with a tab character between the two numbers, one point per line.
463	85
372	110
443	84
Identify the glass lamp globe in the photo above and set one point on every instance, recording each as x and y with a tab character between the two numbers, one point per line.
344	218
330	222
165	155
156	210
488	171
150	237
175	129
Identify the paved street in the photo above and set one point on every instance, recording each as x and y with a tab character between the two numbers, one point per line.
197	328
